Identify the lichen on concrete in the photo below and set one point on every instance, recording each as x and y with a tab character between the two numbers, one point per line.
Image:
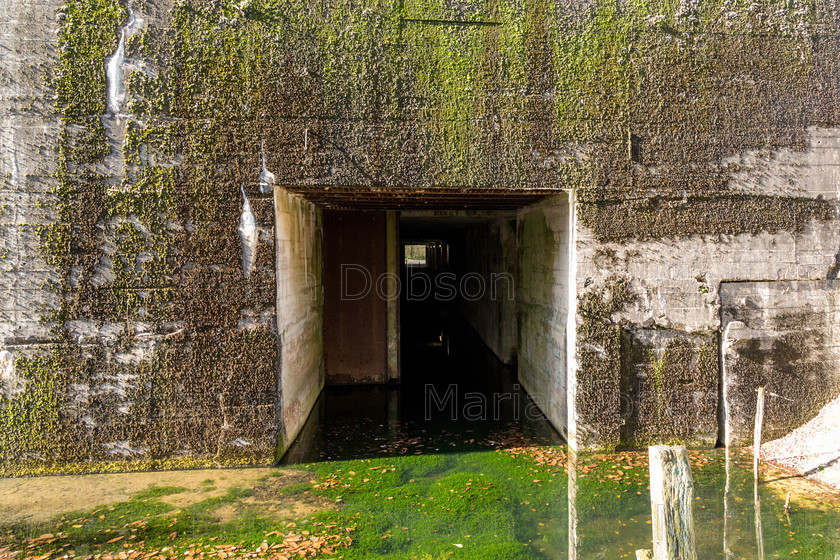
598	373
669	388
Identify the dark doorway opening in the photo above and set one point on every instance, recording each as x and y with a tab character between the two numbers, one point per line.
477	326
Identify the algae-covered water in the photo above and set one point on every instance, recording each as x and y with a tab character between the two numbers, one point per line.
527	502
545	503
376	473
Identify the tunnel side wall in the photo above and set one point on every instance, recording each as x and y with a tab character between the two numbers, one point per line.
544	242
300	312
489	254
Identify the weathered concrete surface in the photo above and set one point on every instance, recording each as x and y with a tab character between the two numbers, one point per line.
784	336
542	291
785	172
355	311
669	388
154	356
300	312
28	53
175	350
670	293
488	251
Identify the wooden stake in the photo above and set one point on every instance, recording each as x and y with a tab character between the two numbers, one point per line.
571	468
759	420
759	532
672	500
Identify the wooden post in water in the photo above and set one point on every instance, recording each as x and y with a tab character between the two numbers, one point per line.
671	500
727	517
759	420
759	532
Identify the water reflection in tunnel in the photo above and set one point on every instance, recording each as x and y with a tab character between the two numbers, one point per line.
453	397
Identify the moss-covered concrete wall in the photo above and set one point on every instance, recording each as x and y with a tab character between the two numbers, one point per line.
781	336
136	332
661	334
615	97
157	346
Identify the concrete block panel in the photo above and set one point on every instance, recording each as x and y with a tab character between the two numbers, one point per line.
784	336
669	388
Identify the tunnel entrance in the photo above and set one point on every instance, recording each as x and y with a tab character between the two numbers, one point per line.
466	279
440	318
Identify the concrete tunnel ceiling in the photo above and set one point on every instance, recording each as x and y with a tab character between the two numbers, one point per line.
419	224
375	198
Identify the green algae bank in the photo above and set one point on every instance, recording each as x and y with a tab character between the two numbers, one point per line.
525	503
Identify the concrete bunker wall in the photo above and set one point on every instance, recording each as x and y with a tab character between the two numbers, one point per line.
300	312
783	336
653	284
129	336
544	247
129	328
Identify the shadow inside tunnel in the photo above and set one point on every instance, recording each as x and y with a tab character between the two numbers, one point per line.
454	396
